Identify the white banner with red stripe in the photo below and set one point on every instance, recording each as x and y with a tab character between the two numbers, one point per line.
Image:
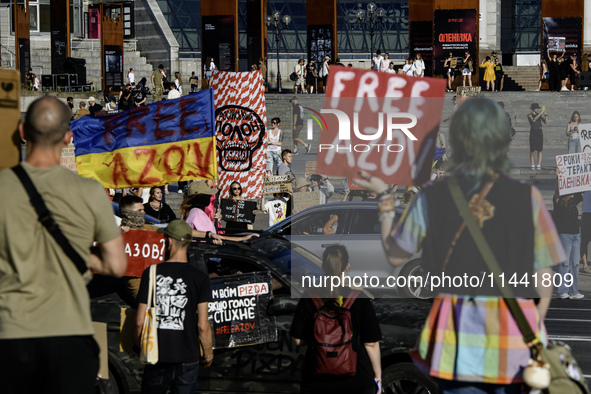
241	122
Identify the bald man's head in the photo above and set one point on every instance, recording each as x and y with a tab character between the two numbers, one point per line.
47	121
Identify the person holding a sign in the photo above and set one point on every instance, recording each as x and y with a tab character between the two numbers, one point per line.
236	195
536	137
572	132
520	232
182	297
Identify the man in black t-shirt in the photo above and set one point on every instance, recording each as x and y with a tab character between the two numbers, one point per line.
139	96
182	296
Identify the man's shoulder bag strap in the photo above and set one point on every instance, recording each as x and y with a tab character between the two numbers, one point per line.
490	259
46	218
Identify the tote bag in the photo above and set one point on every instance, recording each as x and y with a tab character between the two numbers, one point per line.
149	337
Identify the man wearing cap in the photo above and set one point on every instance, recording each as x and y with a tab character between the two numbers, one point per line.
536	138
297	125
182	296
93	107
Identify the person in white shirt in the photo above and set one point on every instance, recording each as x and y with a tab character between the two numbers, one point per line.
131	76
419	66
178	83
390	69
317	182
385	63
173	93
377	61
408	69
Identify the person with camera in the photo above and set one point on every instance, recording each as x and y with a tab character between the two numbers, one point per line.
318	182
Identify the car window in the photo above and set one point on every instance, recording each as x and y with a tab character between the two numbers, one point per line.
321	223
365	221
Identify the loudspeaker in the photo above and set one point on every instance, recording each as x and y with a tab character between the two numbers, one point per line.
72	79
78	67
61	80
584	79
48	81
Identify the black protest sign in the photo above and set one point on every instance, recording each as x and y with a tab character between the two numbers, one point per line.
238	210
238	310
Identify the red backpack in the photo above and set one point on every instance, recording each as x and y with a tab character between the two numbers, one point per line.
333	338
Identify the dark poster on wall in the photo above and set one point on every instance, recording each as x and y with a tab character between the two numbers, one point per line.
253	31
421	41
217	38
562	34
59	35
113	65
455	31
320	43
24	53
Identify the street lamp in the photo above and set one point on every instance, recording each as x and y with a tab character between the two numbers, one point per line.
274	19
374	15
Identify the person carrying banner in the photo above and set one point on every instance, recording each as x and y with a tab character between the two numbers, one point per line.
46	330
520	232
536	137
182	296
366	334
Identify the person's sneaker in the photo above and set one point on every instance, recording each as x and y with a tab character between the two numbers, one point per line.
180	191
308	148
533	167
538	167
563	296
295	152
564	89
577	296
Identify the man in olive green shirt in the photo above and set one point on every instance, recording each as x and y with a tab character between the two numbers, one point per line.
46	342
157	83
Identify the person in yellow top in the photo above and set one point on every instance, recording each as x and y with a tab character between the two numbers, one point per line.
489	73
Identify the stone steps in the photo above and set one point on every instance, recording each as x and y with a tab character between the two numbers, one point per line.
526	77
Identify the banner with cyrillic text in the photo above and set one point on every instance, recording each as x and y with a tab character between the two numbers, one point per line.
574	172
159	143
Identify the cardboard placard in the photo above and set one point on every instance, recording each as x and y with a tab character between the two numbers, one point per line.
238	210
574	173
143	249
304	200
277	184
10	114
585	137
352	185
238	310
68	158
310	168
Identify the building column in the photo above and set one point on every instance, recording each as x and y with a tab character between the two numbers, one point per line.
587	28
490	26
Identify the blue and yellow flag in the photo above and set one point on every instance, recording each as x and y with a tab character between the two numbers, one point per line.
164	142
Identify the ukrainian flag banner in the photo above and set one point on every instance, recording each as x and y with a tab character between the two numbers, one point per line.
164	142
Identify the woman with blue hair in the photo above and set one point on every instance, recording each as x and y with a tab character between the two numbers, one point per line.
470	342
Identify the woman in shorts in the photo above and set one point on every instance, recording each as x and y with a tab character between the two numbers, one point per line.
467	70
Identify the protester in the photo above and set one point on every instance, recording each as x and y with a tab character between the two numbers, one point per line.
536	137
385	63
419	66
520	233
586	229
311	76
545	74
194	82
276	208
173	93
158	83
571	70
46	332
499	75
489	73
285	167
365	332
407	68
93	107
193	212
377	61
572	132
126	99
566	218
467	69
298	124
554	66
158	209
178	82
318	182
80	112
236	195
390	69
450	71
300	82
131	77
183	294
139	95
274	142
69	100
